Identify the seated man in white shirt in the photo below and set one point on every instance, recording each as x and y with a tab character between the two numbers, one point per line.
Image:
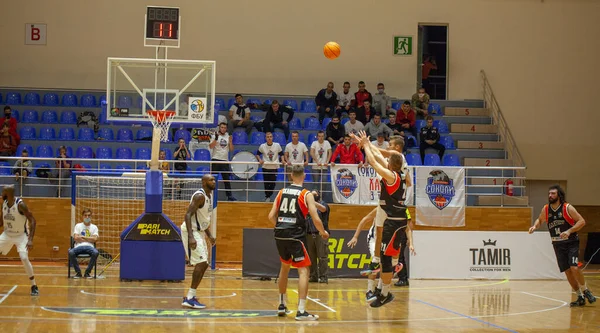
85	235
381	143
345	100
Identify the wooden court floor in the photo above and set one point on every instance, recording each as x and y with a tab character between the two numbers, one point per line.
247	305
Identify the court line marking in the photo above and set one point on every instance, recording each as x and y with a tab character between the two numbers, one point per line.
8	294
178	297
316	301
544	297
467	316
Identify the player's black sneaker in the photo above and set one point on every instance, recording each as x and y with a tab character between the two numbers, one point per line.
77	276
382	300
579	302
323	279
35	291
305	316
401	283
282	310
370	297
373	268
377	292
590	297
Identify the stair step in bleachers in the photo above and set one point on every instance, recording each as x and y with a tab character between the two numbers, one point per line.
453	111
475	137
488	181
492	162
480	145
506	200
473	128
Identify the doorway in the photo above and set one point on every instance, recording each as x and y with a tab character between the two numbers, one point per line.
432	69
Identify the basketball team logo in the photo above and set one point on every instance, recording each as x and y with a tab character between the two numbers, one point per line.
197	108
346	182
440	189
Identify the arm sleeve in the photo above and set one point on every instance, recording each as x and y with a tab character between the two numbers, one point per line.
412	118
290	113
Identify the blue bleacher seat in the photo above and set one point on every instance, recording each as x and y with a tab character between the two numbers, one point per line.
102	100
280	174
102	116
84	152
202	170
441	125
13	98
27	133
326	122
85	134
257	138
123	153
67	148
312	124
253	101
432	160
413	159
221	102
447	142
68	117
256	119
268	101
86	167
30	116
142	154
142	166
143	133
396	105
66	134
295	124
49	117
202	155
124	101
47	133
308	172
69	100
230	103
125	135
22	147
15	114
308	106
240	137
124	167
50	99
44	151
411	141
420	123
435	108
106	133
291	103
104	153
32	98
259	175
105	166
451	160
346	119
280	138
312	137
183	134
88	101
5	169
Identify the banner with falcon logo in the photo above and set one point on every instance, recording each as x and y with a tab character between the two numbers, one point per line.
441	198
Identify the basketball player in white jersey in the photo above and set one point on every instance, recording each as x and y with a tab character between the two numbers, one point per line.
193	232
14	217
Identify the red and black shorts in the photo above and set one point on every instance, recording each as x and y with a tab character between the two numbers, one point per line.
292	251
393	237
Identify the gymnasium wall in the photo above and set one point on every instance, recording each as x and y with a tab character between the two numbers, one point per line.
540	57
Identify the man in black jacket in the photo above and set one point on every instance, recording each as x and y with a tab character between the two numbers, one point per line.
326	102
335	132
430	138
317	247
274	118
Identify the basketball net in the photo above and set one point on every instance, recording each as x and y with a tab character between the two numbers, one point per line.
162	120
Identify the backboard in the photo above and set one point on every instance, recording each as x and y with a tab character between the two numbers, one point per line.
137	85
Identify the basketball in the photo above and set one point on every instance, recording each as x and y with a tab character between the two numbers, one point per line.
331	50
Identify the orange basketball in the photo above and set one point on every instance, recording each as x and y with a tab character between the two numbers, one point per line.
331	50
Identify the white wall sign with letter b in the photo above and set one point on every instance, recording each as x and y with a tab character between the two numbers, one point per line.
35	34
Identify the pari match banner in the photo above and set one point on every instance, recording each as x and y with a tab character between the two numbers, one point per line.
441	198
483	255
261	259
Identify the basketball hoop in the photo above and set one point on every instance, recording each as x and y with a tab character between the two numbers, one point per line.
162	120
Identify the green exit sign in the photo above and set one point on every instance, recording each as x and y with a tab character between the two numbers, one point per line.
403	45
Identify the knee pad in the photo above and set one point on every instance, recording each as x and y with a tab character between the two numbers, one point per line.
386	264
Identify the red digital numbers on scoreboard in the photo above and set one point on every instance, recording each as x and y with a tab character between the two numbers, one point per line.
162	23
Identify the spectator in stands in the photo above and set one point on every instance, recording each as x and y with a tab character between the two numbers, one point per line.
375	126
221	145
85	235
349	153
62	168
365	112
353	126
420	102
320	151
268	156
345	100
326	102
8	145
274	118
397	129
430	138
181	154
427	66
362	95
164	165
12	122
23	167
380	142
296	151
382	103
239	116
407	119
335	131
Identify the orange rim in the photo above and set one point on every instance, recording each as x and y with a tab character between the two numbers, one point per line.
161	115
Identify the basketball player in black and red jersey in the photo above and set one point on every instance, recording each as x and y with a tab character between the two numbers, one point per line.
391	201
289	212
563	223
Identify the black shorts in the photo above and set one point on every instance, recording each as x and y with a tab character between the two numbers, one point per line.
292	251
567	254
393	237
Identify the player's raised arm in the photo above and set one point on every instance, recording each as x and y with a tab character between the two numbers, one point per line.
25	211
367	219
384	172
541	218
197	203
312	210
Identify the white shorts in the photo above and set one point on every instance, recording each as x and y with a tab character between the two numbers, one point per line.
200	253
7	242
372	247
